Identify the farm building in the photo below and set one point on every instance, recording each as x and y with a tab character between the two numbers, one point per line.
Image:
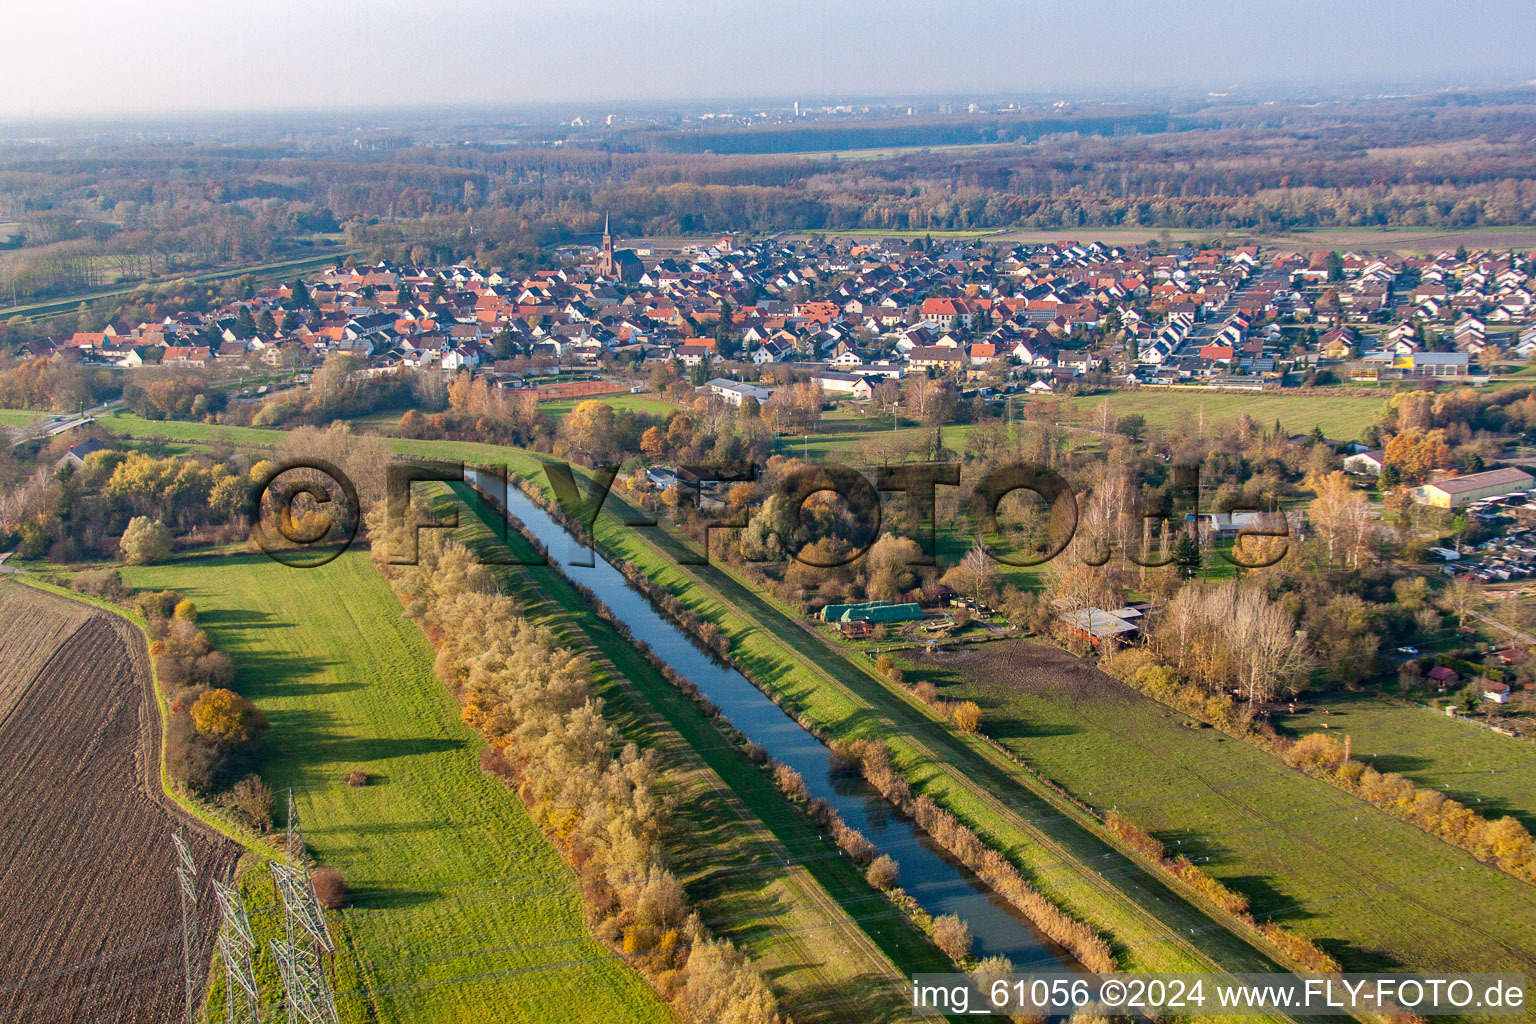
1096	625
1442	676
1459	491
871	611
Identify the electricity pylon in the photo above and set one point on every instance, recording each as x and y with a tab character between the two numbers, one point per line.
186	876
236	943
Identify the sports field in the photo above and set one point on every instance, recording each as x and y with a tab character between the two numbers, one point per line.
462	910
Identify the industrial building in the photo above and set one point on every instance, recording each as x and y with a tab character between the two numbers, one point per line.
1460	491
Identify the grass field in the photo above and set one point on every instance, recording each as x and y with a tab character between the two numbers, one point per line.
19	417
462	910
634	403
556	409
1343	418
1375	892
1404	240
129	425
756	869
1491	773
845	434
263	272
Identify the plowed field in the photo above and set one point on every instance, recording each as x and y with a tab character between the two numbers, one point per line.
90	920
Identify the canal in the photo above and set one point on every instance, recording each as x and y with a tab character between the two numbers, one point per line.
936	880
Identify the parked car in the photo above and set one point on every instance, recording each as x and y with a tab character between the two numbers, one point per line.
1410	651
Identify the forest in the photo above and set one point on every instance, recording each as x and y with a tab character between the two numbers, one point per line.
80	213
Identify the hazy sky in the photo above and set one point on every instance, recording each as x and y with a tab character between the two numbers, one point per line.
112	56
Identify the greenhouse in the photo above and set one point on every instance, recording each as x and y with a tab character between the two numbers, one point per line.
871	611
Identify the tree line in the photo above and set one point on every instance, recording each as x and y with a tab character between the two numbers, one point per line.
599	800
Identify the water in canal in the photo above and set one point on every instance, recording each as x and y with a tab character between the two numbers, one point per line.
934	879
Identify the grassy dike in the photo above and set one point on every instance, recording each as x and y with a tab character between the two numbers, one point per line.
1153	927
755	866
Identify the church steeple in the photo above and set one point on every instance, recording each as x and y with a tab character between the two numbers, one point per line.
606	264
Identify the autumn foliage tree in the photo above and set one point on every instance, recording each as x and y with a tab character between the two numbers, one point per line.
1415	453
1341	516
227	717
145	542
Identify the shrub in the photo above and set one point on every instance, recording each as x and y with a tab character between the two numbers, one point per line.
790	781
145	542
330	888
253	798
357	777
953	936
966	716
194	761
156	606
493	762
185	611
883	873
1315	752
844	760
106	584
926	692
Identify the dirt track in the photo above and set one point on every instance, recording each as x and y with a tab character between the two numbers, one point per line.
90	921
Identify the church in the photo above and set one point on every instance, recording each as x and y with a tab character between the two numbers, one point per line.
622	265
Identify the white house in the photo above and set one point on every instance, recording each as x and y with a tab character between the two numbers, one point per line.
851	384
735	392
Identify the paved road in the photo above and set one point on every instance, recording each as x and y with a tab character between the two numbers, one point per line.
56	425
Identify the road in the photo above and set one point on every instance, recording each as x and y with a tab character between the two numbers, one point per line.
34	312
55	425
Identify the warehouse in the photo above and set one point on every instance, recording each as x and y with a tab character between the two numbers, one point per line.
1460	491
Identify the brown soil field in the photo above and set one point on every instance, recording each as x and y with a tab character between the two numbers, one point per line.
90	916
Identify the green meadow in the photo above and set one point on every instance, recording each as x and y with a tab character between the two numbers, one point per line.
461	909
